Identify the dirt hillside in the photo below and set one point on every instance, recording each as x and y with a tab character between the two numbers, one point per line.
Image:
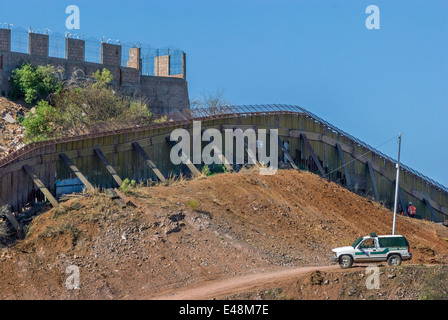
188	232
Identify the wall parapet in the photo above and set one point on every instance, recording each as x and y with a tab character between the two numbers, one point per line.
128	63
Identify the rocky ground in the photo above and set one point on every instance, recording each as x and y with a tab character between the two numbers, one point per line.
11	133
410	282
184	233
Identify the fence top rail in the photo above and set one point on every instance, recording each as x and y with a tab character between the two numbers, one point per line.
221	112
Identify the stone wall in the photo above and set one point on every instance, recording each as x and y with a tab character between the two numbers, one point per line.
38	44
5	40
134	59
75	49
110	54
164	94
162	67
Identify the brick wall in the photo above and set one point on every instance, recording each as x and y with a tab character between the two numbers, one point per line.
38	44
162	67
135	60
110	54
130	76
75	49
164	93
5	39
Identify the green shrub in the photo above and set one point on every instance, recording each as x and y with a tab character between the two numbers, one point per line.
34	83
127	185
19	119
82	105
220	168
136	109
94	102
103	77
43	123
206	170
213	169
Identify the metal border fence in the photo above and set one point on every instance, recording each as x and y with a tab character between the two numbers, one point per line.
186	116
250	109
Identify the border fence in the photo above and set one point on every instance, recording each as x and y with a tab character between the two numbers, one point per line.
247	109
103	159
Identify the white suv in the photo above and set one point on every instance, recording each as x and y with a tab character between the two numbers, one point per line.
373	248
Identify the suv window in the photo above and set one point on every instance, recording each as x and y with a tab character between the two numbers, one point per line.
368	243
357	241
393	242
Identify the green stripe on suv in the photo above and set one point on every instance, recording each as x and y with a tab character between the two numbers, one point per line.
381	252
373	252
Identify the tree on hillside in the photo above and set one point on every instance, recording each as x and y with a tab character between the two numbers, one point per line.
34	83
212	101
88	102
80	104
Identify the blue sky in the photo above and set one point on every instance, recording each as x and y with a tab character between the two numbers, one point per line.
316	54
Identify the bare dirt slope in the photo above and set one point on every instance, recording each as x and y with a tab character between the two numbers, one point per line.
221	227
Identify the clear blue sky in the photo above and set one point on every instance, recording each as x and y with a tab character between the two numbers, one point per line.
316	54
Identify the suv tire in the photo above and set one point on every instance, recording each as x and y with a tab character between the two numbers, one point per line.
394	260
345	261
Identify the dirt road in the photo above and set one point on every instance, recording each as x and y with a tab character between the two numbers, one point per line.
228	286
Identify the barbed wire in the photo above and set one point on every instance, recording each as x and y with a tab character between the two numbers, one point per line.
57	46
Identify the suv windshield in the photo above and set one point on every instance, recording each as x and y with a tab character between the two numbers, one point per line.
357	241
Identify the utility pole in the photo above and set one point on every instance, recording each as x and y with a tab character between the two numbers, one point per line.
396	184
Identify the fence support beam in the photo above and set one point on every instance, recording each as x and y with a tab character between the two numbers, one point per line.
76	171
372	179
186	160
401	201
433	214
251	155
348	180
41	186
221	156
10	217
224	160
313	155
150	163
288	156
109	167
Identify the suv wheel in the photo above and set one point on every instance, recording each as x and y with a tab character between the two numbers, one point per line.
345	261
394	260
